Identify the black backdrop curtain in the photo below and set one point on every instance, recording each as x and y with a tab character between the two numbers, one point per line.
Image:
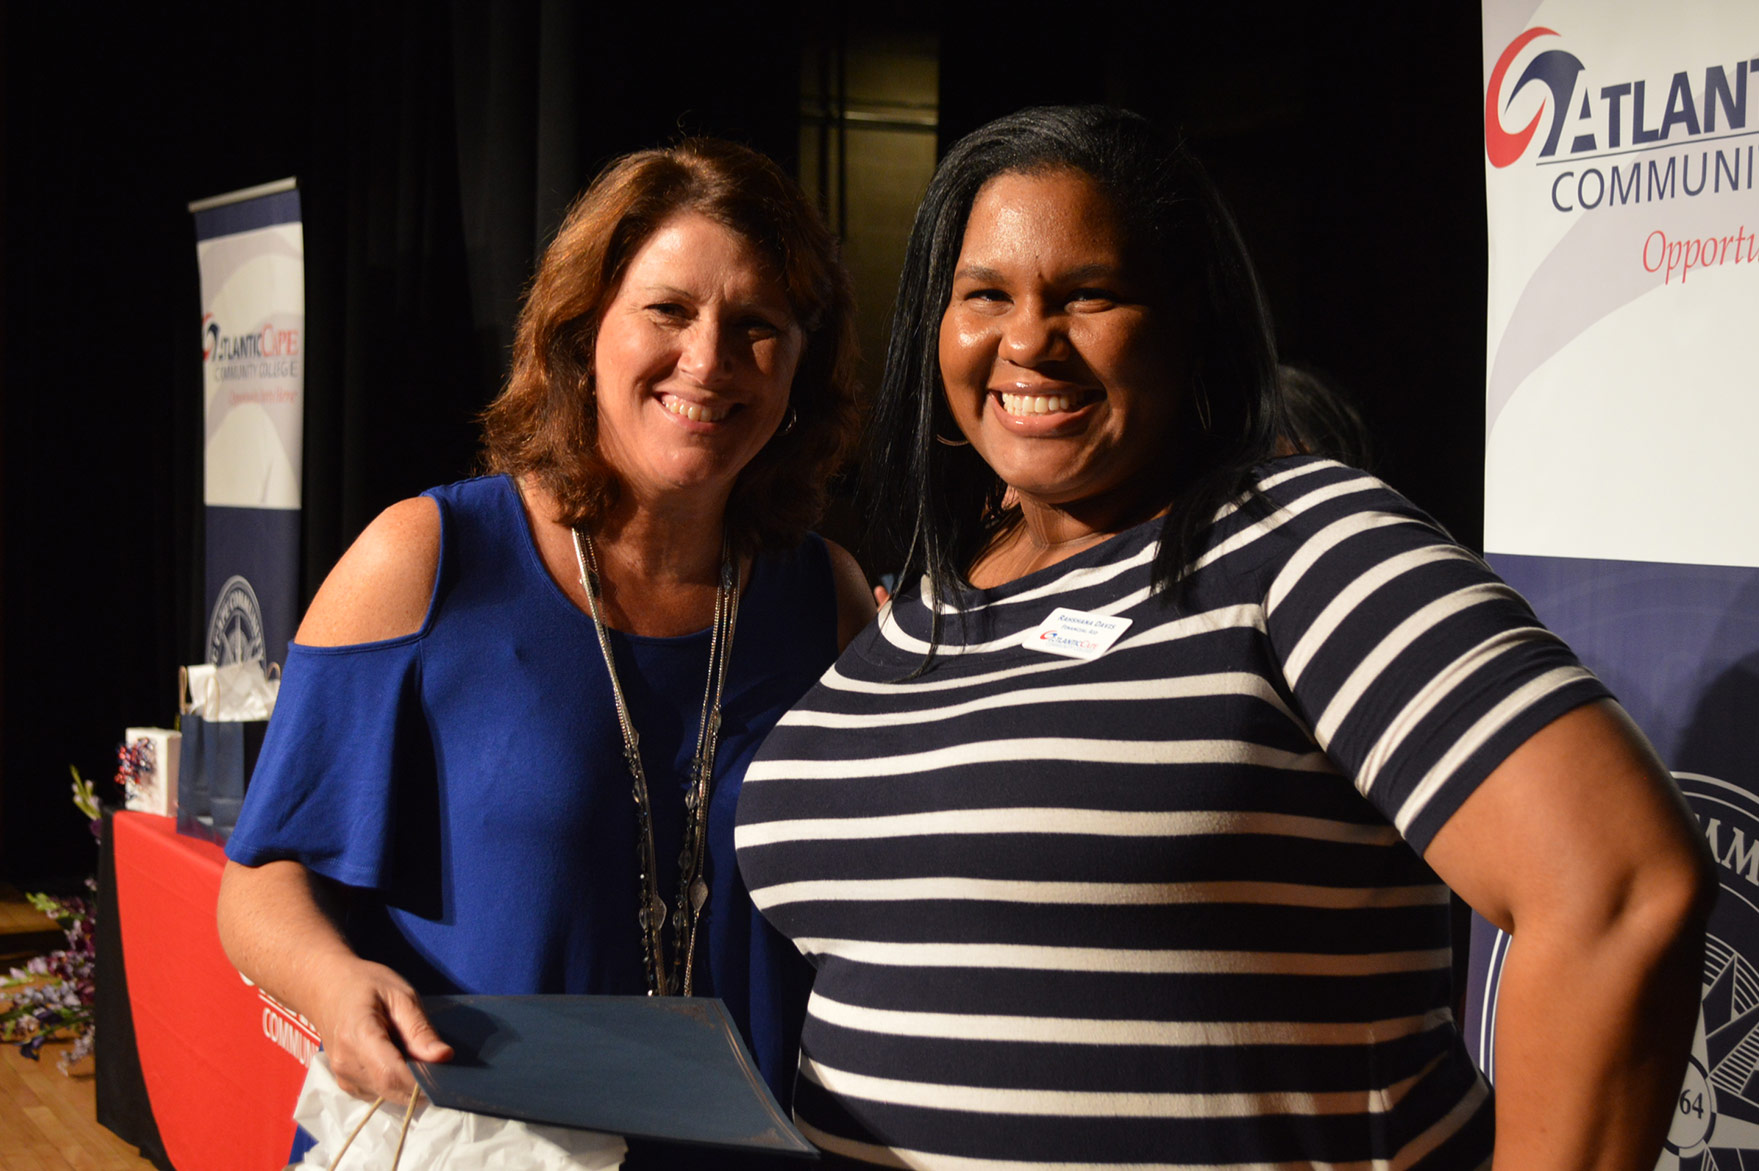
436	147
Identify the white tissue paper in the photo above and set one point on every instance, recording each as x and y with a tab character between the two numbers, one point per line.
233	692
438	1139
195	680
153	789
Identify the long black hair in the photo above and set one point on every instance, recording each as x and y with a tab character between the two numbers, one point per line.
1232	409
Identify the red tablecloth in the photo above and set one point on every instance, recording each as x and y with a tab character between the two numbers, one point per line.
222	1062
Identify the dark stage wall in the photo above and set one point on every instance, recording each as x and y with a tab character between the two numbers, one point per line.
436	146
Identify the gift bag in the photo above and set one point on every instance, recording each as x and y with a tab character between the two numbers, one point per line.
148	763
226	711
435	1139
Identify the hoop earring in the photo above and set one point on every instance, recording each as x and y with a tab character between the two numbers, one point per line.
793	418
942	439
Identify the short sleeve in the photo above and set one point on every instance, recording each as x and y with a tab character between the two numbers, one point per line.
1417	668
347	729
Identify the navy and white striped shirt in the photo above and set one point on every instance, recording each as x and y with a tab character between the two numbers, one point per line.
1163	907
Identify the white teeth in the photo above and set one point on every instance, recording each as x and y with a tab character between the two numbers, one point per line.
695	412
1037	404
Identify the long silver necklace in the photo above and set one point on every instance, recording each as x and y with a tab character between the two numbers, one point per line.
675	977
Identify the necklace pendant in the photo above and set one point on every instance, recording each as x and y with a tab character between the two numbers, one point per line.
698	896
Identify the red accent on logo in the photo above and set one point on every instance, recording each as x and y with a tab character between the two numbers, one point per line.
1503	147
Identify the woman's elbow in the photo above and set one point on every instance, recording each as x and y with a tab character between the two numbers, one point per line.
234	911
263	909
1697	886
1668	903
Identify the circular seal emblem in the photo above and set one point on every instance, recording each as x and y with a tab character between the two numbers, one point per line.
1716	1119
235	626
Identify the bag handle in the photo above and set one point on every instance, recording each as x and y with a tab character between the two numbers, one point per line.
397	1155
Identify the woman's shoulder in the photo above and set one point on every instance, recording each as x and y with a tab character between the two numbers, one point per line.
489	493
1290	477
856	603
815	563
1296	509
382	586
1303	494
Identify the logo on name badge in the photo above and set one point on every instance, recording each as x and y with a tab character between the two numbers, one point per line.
1075	633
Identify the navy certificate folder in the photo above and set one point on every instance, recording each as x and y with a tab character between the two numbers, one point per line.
657	1067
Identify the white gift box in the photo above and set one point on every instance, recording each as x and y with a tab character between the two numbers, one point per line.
155	788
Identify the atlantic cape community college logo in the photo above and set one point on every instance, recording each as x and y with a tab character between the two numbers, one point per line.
267	351
1716	1119
1619	140
235	630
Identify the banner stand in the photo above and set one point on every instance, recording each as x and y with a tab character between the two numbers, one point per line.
1620	151
250	247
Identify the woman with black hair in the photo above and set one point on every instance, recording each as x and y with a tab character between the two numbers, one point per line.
1111	842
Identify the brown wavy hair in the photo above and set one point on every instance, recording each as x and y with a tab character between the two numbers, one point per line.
544	423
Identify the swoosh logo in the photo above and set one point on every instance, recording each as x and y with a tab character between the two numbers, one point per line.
1503	147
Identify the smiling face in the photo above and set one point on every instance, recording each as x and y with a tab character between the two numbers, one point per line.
1062	359
693	362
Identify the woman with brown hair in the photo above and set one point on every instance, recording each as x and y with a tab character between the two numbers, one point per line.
623	607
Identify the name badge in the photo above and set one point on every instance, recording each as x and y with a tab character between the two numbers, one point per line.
1075	633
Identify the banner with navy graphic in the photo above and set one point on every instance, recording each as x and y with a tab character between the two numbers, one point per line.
1622	406
250	246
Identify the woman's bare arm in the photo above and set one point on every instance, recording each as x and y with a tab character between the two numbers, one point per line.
278	930
1581	847
278	921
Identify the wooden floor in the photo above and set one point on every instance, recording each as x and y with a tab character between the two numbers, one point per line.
48	1120
24	930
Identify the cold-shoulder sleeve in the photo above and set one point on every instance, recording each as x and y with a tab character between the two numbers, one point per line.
347	735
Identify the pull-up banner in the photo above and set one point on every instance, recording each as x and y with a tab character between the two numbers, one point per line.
1622	416
250	246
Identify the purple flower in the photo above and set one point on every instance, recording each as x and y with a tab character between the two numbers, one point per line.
53	995
82	1048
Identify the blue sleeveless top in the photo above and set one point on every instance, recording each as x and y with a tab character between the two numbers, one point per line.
469	778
